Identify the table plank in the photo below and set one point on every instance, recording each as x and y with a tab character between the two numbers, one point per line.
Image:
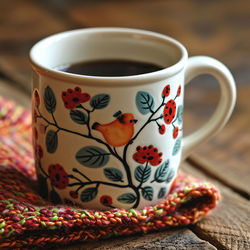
228	226
22	24
171	239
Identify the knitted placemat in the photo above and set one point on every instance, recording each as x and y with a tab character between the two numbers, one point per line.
26	219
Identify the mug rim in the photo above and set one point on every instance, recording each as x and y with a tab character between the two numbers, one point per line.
109	80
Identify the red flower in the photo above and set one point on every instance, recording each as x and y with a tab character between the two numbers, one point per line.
166	91
58	176
148	154
106	200
39	151
72	98
162	129
175	132
179	90
37	98
169	111
73	194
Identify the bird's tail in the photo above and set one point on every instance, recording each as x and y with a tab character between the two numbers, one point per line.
95	125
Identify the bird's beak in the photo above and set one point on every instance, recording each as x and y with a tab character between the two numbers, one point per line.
135	121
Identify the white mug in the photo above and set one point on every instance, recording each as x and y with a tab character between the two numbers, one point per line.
90	151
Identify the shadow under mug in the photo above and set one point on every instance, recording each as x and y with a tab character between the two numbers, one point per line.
88	149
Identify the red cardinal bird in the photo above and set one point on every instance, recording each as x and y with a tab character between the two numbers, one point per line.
118	132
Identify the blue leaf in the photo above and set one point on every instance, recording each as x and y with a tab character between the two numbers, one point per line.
170	175
78	116
179	114
127	198
147	193
177	147
142	173
144	102
51	141
113	174
162	193
92	156
161	172
89	194
49	99
100	101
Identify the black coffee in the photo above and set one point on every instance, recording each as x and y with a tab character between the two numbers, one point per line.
110	68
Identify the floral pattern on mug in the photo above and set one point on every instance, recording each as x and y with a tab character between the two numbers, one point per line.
120	132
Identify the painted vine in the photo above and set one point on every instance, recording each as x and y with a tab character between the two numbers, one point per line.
147	156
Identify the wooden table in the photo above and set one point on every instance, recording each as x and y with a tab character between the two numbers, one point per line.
216	28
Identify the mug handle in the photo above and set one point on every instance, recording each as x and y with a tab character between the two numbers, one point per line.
206	65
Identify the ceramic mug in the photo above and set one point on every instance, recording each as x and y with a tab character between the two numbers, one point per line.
89	150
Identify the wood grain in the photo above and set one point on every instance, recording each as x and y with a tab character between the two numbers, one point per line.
213	28
172	239
228	227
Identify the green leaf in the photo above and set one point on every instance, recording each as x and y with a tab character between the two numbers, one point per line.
54	197
100	101
43	186
113	174
51	141
179	114
177	147
92	156
144	102
49	99
88	194
147	193
170	175
127	198
142	173
162	193
78	116
161	172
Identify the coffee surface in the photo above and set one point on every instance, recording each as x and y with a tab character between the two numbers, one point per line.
110	68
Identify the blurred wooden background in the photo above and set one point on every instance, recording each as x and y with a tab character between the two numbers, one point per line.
220	29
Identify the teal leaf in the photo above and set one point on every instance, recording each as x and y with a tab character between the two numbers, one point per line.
177	147
43	186
92	156
51	141
127	198
49	99
179	114
162	193
54	197
170	175
142	173
113	174
88	194
161	172
78	116
147	193
144	102
100	101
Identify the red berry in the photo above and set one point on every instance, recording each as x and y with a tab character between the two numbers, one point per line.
37	98
162	129
106	200
169	111
58	176
175	132
73	194
179	90
166	91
